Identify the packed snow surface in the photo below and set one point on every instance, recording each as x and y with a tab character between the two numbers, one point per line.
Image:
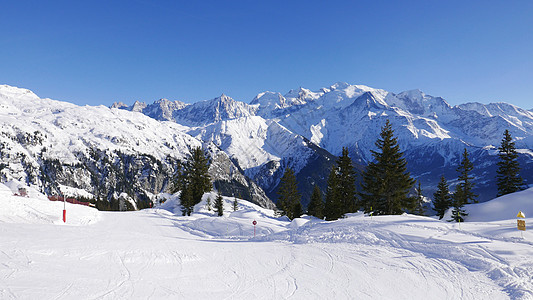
159	254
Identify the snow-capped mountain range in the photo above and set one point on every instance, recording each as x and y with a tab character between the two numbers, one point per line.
301	129
432	133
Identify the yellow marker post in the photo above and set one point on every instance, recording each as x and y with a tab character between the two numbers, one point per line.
521	224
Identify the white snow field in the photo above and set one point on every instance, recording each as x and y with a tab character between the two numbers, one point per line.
159	254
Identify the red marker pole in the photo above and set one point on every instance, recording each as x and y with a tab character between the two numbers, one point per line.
64	210
255	223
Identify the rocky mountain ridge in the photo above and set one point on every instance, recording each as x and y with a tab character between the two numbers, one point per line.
432	133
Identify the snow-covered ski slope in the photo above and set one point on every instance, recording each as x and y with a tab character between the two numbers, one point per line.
159	254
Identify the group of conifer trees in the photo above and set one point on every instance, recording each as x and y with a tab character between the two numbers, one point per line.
193	180
508	181
386	185
385	188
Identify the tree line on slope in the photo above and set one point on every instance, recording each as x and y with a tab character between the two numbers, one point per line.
386	187
508	181
193	181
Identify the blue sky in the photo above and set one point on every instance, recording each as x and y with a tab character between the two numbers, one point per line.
98	52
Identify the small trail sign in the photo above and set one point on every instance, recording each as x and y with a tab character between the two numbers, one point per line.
521	224
255	223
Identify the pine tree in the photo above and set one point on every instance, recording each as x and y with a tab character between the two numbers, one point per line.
465	180
419	202
442	199
289	197
316	206
297	210
219	205
333	207
463	191
194	180
235	204
386	182
346	183
508	178
458	212
208	204
340	194
186	201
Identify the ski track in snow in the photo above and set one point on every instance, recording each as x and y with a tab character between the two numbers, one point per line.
155	254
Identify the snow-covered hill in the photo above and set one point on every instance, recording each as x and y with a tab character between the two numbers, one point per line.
157	253
104	151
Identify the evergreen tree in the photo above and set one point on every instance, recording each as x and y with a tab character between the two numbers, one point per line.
333	206
297	210
346	183
219	204
463	191
442	199
465	180
194	179
316	206
289	197
419	202
208	204
386	182
458	212
340	194
235	204
508	178
186	201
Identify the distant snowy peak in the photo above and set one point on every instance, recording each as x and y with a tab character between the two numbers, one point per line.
368	101
138	106
269	99
161	109
338	95
417	102
211	111
119	105
496	109
302	96
7	91
269	103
